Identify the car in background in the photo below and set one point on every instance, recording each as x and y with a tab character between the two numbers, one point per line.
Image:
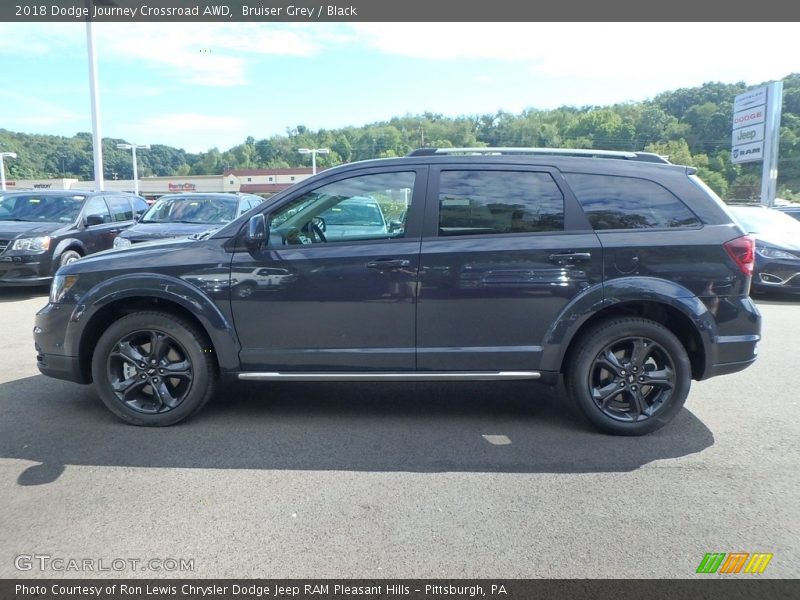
777	236
360	216
791	210
183	215
42	230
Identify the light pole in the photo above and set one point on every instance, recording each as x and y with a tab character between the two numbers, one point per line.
313	152
3	168
132	148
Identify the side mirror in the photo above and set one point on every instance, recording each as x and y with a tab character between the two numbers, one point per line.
91	220
256	235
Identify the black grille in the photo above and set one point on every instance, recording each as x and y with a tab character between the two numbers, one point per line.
3	245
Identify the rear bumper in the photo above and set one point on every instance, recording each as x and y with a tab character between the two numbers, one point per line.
735	345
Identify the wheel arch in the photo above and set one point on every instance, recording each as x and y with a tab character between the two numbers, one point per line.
92	318
664	302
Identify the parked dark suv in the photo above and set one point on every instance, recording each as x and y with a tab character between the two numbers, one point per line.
618	271
41	231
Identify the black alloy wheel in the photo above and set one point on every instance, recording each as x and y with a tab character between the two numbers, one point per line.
150	371
628	375
154	368
632	379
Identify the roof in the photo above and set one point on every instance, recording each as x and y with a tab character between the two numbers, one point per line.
262	172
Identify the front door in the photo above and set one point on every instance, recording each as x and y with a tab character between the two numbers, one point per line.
335	287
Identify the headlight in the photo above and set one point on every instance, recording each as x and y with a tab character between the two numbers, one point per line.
121	242
775	253
35	244
61	286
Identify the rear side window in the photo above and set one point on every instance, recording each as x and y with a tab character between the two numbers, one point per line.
613	202
120	208
486	202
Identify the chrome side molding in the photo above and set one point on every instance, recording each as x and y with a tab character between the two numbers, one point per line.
394	376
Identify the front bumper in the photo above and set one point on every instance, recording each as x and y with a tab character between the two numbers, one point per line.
777	274
54	356
23	270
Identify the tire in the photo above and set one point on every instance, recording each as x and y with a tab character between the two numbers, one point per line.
67	257
176	386
608	375
245	290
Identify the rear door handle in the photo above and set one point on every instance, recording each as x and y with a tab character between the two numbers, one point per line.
387	264
570	257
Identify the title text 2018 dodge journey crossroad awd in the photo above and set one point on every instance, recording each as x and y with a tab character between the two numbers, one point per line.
619	271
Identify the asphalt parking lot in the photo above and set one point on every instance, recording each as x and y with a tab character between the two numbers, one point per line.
392	480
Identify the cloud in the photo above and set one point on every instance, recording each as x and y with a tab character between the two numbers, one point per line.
197	132
668	52
23	111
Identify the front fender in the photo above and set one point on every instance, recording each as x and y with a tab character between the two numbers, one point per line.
617	292
63	245
171	289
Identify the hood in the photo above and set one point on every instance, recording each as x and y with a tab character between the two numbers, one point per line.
13	229
142	232
779	239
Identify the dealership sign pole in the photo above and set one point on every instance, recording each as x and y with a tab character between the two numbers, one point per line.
756	127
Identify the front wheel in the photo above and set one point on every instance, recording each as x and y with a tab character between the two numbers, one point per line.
629	376
153	369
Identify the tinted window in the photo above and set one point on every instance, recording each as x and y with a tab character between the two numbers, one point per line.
40	207
479	202
612	202
139	206
96	207
120	208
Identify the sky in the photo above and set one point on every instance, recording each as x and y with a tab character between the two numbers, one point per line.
203	85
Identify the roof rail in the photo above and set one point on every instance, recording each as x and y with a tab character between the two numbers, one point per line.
579	152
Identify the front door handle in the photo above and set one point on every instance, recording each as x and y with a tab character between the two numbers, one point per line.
570	257
388	264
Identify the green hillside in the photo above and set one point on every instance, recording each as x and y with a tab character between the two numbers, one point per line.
690	125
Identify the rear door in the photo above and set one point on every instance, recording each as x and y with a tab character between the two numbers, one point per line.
505	248
121	214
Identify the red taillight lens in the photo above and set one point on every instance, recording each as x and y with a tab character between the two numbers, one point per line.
743	252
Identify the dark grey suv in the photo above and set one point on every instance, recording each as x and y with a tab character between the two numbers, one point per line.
619	272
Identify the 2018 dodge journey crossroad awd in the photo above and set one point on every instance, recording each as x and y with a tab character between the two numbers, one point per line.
617	271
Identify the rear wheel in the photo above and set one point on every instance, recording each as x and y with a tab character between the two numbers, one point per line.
629	376
153	369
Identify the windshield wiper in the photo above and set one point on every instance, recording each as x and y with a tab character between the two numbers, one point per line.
16	219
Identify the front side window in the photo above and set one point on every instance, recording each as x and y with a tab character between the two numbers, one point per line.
614	202
366	207
496	202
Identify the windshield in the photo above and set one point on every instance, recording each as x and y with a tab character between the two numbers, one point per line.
211	210
765	220
41	208
353	213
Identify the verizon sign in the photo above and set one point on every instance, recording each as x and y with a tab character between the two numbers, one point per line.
749	117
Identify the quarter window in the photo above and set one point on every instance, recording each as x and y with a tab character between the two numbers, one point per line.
486	202
613	202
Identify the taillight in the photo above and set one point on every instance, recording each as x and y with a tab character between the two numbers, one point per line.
743	252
